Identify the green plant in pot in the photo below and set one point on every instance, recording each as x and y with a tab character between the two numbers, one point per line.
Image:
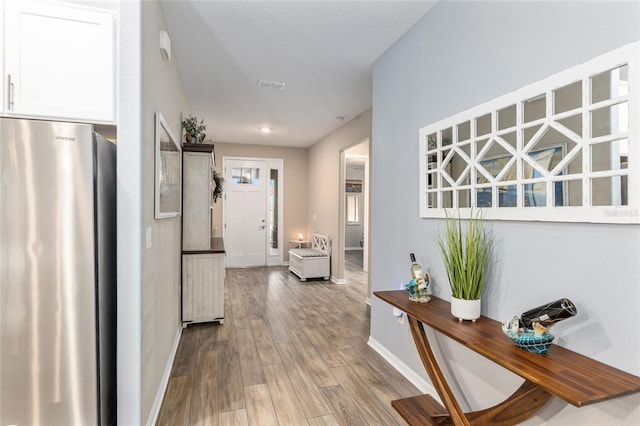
466	254
193	129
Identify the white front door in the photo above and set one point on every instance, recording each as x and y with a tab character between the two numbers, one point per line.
245	213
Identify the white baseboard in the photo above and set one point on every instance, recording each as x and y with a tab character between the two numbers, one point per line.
415	379
354	248
338	280
157	403
285	263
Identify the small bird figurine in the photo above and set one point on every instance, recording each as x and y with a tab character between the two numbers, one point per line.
538	330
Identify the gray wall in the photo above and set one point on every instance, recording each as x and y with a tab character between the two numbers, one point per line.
460	55
324	181
148	279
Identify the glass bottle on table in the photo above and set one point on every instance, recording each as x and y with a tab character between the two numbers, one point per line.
419	281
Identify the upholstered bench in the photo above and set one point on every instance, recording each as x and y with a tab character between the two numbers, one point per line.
314	262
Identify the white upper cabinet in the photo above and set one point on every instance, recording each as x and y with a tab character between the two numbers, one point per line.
197	199
59	61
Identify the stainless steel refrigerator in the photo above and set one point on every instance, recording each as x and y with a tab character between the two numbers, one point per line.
57	274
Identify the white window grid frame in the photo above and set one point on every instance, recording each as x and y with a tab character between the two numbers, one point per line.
630	213
356	206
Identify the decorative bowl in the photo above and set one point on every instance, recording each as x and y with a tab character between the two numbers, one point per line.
532	343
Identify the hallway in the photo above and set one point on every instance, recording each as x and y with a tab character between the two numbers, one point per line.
289	353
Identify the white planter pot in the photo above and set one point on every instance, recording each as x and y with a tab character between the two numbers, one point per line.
465	309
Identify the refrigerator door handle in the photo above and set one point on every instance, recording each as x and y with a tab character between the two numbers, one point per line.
10	93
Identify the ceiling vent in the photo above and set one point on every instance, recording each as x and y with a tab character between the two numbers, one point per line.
271	84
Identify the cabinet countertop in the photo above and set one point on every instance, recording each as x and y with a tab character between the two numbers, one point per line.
216	246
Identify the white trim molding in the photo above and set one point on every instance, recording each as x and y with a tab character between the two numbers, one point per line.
563	149
338	280
416	380
157	402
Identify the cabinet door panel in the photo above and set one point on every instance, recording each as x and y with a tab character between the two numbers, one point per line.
196	199
61	61
202	287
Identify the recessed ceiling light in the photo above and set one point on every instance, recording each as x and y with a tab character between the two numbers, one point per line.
265	130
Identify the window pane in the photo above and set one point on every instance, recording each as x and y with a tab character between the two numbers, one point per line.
609	191
507	196
567	98
432	141
353	214
447	136
610	84
507	117
464	198
610	120
484	197
609	156
535	194
245	176
535	108
464	131
483	125
447	199
273	213
572	194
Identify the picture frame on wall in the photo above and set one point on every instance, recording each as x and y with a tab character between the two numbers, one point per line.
168	171
353	185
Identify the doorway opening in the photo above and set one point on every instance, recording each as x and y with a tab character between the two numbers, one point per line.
354	217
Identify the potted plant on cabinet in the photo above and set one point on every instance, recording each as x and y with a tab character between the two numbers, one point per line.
193	129
466	255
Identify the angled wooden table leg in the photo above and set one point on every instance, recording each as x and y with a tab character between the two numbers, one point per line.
435	374
521	405
518	407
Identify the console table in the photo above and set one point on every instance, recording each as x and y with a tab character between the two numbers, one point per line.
577	379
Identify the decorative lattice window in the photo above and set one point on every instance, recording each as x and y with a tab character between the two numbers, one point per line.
561	149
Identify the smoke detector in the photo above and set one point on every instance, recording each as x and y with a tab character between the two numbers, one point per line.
271	84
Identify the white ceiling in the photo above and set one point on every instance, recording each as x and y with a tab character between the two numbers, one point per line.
322	50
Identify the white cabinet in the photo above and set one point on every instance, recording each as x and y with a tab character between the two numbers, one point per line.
203	287
59	62
202	256
197	200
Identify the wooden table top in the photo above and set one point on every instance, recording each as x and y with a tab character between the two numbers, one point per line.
575	378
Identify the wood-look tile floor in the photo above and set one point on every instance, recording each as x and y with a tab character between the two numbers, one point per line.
289	353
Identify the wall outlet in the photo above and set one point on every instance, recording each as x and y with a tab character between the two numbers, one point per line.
399	314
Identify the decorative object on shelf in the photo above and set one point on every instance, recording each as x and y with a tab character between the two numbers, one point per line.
419	290
549	314
466	255
537	341
466	309
219	181
194	129
418	287
529	331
